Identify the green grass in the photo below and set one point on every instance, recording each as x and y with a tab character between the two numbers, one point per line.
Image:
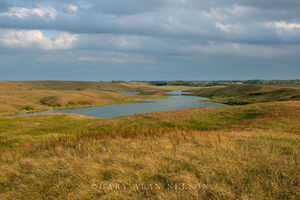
22	130
33	96
28	130
247	94
234	152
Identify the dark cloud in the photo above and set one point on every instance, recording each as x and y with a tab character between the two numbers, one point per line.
162	18
4	5
155	35
128	7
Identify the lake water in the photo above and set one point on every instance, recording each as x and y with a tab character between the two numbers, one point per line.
175	102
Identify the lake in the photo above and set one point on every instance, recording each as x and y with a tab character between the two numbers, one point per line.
176	101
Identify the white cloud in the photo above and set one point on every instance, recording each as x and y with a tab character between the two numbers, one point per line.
224	27
238	10
20	12
70	8
286	26
36	39
213	14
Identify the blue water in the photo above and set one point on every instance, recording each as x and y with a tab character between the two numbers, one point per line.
175	102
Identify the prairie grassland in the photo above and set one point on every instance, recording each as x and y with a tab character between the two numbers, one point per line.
238	152
247	94
30	96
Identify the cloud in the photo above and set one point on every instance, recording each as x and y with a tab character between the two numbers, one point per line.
111	58
224	27
20	12
208	21
36	39
4	5
287	26
168	34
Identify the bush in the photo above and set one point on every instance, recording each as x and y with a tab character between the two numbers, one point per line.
50	101
28	108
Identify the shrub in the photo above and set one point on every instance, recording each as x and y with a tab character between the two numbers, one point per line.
28	108
50	101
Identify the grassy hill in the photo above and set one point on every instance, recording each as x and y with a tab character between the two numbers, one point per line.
246	94
238	152
31	96
235	152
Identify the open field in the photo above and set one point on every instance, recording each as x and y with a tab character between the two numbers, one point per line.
149	100
246	94
237	152
31	96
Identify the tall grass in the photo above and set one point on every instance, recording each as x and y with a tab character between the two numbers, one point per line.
242	152
236	165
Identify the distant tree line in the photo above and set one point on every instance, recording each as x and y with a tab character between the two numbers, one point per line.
223	83
193	83
118	81
274	82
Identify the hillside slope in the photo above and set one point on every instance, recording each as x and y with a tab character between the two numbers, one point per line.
234	152
246	94
31	96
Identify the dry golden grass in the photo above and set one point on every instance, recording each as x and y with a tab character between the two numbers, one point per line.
227	165
247	94
238	152
27	96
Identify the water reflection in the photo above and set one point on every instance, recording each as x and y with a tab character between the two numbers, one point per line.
175	102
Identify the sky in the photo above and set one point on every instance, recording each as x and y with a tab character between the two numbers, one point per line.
149	39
